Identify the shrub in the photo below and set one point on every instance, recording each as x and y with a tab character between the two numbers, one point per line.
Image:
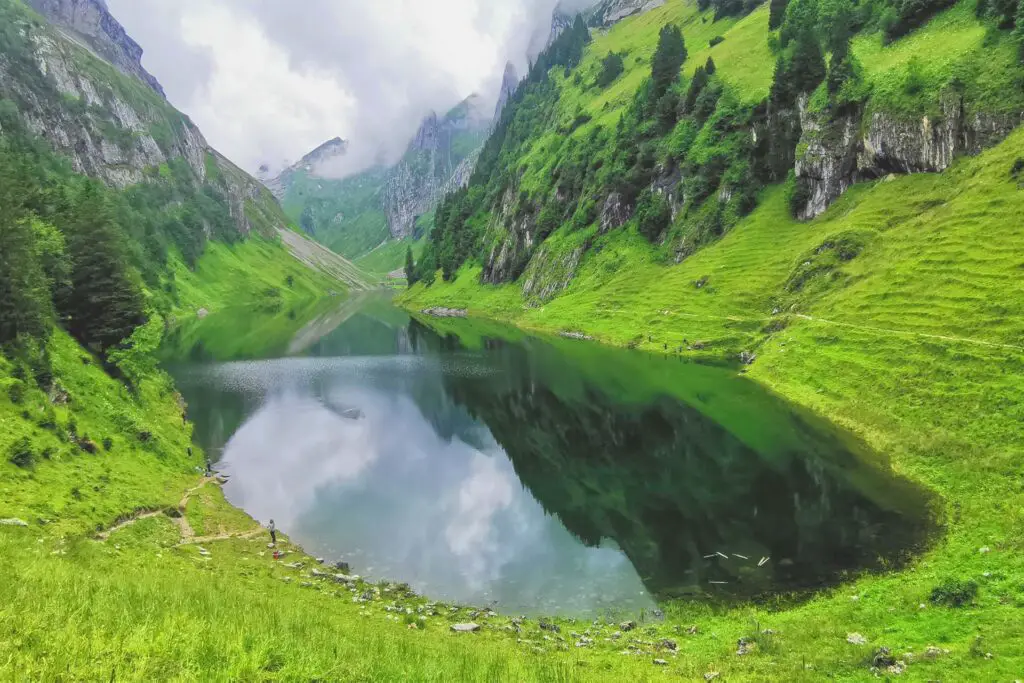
799	195
108	444
21	453
715	41
954	593
909	14
914	85
1017	169
653	215
16	392
612	67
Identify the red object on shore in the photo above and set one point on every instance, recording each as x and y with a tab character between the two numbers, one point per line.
277	554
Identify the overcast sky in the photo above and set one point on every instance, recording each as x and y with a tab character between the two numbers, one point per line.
267	81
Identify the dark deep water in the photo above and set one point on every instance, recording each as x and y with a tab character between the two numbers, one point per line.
547	476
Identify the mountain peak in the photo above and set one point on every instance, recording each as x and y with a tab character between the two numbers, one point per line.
332	149
92	23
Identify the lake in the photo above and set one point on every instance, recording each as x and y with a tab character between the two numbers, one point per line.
538	475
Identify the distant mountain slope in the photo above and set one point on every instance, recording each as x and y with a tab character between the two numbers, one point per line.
74	85
433	162
310	165
359	213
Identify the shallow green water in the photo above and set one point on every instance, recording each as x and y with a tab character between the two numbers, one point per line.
546	476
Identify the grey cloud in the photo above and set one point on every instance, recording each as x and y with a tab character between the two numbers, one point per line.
395	61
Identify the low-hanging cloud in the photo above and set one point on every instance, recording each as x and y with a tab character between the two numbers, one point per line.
268	81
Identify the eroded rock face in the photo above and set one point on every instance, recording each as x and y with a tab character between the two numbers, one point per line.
107	131
610	12
509	82
511	236
615	212
92	21
835	152
550	273
105	136
432	165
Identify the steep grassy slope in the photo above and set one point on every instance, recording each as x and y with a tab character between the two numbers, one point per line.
917	343
684	159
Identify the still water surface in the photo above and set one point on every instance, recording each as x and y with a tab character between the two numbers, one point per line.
544	476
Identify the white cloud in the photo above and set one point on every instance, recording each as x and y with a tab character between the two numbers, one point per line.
267	81
253	103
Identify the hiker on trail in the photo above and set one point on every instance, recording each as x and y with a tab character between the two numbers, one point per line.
209	469
273	532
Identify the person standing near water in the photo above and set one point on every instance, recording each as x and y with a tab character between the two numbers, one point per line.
273	532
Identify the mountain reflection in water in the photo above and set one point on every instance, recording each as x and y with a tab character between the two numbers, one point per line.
544	475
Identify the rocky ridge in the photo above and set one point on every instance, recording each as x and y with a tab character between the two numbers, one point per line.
834	153
112	127
439	158
611	12
91	22
510	80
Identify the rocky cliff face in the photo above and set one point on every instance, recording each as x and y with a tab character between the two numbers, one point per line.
91	22
610	12
110	126
511	234
113	133
560	20
838	151
509	83
440	157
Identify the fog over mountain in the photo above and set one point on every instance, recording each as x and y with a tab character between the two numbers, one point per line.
268	82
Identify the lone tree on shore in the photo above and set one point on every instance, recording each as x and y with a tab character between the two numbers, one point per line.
410	267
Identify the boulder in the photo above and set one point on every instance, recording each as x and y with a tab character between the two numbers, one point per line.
441	312
465	628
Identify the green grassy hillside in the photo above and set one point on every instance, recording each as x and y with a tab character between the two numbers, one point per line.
347	215
684	158
898	314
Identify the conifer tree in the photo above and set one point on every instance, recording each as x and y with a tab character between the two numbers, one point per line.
410	267
776	13
668	59
306	221
104	304
807	66
25	303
